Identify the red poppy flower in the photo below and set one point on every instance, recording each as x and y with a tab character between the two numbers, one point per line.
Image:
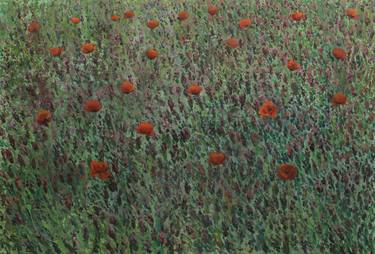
297	16
99	169
115	18
152	24
232	42
92	106
151	53
184	15
339	53
216	158
352	13
268	109
338	99
56	51
287	172
75	20
34	26
244	23
145	128
126	87
212	9
194	89
128	14
293	65
88	48
43	117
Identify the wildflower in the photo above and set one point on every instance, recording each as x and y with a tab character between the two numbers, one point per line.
338	99
56	51
184	15
75	20
212	9
128	14
244	23
287	172
151	53
115	18
126	87
92	106
297	16
152	24
352	13
339	53
293	65
34	26
194	89
100	169
88	48
43	117
216	158
145	128
232	42
268	109
183	40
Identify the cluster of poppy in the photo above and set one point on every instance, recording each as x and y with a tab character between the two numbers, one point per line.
268	108
99	169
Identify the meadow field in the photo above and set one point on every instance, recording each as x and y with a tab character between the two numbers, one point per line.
232	126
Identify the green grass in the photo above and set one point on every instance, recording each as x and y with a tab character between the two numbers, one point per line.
163	195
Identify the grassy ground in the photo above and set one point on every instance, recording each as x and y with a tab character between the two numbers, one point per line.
163	195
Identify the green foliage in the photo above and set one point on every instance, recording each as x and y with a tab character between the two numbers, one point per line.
163	196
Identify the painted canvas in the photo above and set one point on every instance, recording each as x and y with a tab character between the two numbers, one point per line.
187	126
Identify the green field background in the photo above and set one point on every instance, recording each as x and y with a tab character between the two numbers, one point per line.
163	195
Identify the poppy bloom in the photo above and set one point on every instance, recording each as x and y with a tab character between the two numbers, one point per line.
194	89
43	117
293	65
339	53
338	99
126	87
145	128
128	14
75	20
152	24
184	15
99	169
34	26
88	48
232	42
212	9
56	51
151	53
92	106
216	158
268	109
297	16
244	23
115	18
287	172
352	13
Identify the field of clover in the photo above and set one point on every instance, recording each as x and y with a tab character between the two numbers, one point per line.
232	126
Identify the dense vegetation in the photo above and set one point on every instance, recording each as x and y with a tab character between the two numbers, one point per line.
247	129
